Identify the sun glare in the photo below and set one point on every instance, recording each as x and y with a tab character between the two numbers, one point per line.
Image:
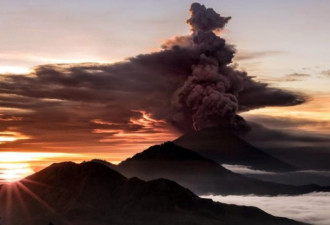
11	172
17	165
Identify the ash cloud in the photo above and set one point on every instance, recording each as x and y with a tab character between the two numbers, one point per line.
205	19
215	92
189	84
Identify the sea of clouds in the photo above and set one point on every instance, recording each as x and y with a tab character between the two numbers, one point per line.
312	208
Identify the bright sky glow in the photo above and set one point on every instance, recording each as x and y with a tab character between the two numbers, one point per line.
17	165
273	39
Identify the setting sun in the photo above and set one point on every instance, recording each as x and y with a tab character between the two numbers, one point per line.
17	165
11	172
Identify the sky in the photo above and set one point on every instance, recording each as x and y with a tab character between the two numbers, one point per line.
283	43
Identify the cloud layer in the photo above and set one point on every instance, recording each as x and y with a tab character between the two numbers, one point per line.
301	177
309	208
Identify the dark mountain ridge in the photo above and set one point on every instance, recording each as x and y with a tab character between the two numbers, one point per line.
92	193
225	147
199	174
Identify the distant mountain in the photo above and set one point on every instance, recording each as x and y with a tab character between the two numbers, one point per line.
93	194
104	162
228	148
199	174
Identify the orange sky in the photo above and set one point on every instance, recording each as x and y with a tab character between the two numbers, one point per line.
279	44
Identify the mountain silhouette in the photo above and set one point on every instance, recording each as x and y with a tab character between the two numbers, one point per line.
199	174
91	193
226	147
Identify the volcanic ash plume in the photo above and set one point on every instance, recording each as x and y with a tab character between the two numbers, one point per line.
210	92
189	84
210	95
205	19
205	94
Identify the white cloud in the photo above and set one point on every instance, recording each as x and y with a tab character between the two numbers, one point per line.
244	169
301	177
317	172
247	170
313	208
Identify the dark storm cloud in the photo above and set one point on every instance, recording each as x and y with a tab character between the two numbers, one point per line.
189	84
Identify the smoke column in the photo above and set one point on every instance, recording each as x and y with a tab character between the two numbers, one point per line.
210	93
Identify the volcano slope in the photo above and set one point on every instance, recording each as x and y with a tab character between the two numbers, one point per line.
199	174
225	147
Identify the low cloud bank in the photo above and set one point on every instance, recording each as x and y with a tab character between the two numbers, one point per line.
244	169
310	208
301	177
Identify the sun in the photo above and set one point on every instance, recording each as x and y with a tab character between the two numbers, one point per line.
15	166
11	172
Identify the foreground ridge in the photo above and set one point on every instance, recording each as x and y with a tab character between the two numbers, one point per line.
92	193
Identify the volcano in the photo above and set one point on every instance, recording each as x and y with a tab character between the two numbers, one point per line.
226	147
201	175
92	193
